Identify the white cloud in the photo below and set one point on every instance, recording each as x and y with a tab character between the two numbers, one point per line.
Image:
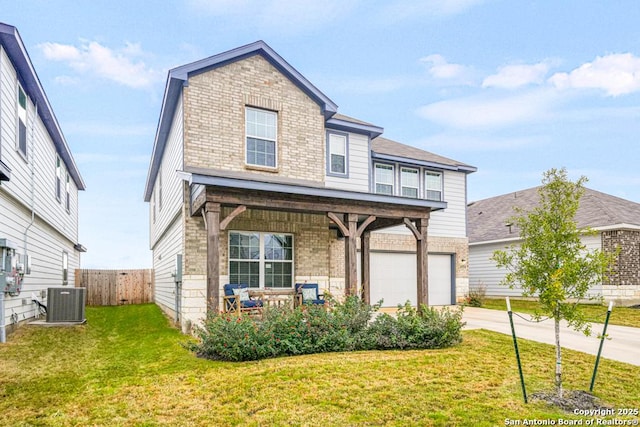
439	68
122	66
480	112
518	75
616	74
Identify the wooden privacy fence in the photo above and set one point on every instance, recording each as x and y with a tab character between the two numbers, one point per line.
115	287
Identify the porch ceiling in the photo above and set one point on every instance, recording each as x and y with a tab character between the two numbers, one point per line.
294	197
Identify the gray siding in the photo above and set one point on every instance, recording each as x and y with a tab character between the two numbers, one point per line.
31	216
167	231
483	271
358	179
164	260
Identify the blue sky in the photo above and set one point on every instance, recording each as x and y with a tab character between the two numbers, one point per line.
511	87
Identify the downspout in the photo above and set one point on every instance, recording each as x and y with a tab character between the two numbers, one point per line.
33	175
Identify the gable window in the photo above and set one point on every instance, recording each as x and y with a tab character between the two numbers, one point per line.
58	179
160	190
67	200
261	130
409	182
22	122
337	154
433	185
384	178
261	260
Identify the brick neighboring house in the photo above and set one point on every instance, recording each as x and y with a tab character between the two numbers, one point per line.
39	184
616	221
255	178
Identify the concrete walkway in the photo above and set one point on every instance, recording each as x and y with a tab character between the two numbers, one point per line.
623	346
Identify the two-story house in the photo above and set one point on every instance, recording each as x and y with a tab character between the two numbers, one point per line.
256	179
39	183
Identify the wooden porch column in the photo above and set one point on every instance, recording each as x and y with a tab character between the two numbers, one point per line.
365	266
422	261
351	256
212	223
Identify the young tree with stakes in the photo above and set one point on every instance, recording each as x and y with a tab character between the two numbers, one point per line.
551	263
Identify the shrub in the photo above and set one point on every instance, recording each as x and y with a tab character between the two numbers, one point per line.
414	329
312	329
476	296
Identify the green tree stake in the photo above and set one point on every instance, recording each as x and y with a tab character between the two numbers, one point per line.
604	335
515	345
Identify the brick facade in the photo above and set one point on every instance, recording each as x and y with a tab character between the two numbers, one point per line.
626	271
214	118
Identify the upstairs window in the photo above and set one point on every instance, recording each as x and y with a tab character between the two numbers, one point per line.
409	180
67	200
22	122
261	131
433	185
58	179
337	154
384	179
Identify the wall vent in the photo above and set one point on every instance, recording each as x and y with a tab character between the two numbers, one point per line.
65	304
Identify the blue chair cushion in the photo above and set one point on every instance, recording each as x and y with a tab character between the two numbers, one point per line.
251	304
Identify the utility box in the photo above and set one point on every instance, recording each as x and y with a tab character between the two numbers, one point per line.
11	272
66	305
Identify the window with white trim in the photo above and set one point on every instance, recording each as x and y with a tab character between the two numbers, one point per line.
22	122
409	182
261	130
67	202
58	179
337	154
261	260
433	185
384	178
65	268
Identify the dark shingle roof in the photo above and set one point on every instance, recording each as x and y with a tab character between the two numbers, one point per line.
487	218
388	147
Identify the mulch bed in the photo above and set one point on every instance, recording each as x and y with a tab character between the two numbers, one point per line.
571	400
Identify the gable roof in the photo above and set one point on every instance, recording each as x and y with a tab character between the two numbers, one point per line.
178	76
14	47
386	149
488	218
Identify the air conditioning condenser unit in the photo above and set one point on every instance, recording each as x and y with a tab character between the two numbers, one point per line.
65	305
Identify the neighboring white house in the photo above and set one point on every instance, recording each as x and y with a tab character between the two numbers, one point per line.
615	220
39	183
255	178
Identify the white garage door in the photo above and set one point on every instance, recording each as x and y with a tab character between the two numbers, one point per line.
393	278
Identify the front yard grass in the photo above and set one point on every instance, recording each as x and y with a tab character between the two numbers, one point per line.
126	366
623	316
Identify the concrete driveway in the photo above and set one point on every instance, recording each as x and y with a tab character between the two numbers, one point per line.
623	346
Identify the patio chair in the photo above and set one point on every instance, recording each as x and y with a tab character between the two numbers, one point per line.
236	299
309	294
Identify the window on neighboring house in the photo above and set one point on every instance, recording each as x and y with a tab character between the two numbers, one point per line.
337	154
433	185
384	178
65	268
67	200
22	122
58	179
261	260
409	182
261	131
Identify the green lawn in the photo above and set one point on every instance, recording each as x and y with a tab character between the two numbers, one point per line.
126	366
623	316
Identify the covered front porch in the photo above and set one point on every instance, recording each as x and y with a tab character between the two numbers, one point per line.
224	202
